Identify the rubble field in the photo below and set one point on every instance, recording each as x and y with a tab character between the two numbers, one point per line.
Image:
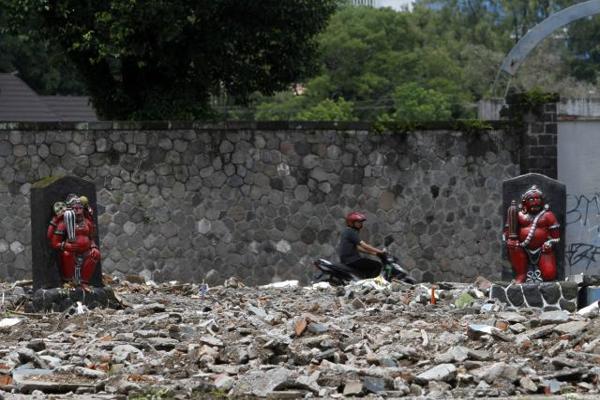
370	339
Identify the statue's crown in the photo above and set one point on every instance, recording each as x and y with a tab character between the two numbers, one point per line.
531	191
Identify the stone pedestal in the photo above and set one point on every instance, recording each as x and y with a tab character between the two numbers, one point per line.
59	299
555	194
547	295
44	194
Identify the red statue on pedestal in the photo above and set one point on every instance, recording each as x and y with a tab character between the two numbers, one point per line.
71	234
530	236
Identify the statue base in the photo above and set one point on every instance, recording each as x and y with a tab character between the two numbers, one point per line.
549	296
59	299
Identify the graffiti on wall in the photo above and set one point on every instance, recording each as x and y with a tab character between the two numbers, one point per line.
583	232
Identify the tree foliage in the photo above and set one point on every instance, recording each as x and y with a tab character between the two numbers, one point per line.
40	65
368	54
167	59
414	103
436	61
328	110
162	59
38	61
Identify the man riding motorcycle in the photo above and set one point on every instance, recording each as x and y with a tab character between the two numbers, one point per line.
351	244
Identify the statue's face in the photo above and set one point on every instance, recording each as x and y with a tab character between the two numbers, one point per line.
78	208
533	203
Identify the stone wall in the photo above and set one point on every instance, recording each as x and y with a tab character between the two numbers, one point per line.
260	201
536	123
540	148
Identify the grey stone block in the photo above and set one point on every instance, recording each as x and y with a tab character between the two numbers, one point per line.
569	305
514	294
62	299
550	292
498	292
569	290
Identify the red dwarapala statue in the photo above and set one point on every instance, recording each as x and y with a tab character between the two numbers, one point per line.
530	235
71	233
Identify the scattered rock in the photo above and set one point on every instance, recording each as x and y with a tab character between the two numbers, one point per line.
554	317
353	388
527	384
442	372
571	328
284	341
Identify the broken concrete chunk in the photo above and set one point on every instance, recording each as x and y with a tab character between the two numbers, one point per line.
552	386
527	384
353	388
512	317
554	317
212	341
317	328
442	372
517	328
540	332
90	373
261	383
8	323
374	384
125	352
495	371
36	345
44	380
476	331
589	310
571	328
224	382
27	355
259	312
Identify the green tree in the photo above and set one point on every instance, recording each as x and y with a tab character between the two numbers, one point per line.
328	110
40	64
163	59
414	103
583	42
280	107
365	54
451	47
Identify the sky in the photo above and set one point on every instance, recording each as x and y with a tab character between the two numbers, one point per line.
395	4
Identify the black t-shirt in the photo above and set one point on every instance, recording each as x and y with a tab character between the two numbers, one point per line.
347	249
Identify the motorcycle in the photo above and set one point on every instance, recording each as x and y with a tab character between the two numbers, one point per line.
392	270
338	274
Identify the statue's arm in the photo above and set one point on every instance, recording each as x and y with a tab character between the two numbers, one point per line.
57	237
553	232
92	233
51	227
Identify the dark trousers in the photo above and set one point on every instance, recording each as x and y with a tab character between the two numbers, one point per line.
366	268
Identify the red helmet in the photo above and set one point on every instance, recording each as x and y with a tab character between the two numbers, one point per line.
355	216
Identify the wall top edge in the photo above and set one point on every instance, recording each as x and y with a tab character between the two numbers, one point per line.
232	125
576	118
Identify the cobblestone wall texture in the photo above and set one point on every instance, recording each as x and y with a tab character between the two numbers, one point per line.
206	202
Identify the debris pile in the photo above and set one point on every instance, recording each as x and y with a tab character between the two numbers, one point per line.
369	339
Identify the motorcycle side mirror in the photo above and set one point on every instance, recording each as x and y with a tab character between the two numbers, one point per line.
388	240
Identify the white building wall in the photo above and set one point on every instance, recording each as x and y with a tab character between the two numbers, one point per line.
579	169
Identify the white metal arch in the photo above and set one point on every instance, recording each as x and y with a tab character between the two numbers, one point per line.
517	54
